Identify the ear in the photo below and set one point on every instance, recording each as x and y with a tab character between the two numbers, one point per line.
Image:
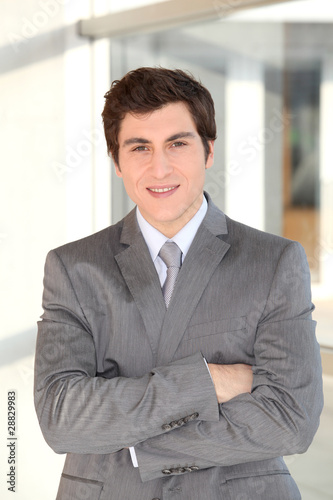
117	169
210	159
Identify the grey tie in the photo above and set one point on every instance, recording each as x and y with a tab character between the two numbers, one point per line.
171	255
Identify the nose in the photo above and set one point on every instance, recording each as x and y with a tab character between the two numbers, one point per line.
160	164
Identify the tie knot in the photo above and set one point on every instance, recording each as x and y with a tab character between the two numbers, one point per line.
171	254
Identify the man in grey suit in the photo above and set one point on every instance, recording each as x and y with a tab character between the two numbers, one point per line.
183	380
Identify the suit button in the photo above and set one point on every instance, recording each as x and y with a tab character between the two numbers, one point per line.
186	419
173	424
194	467
166	427
188	469
194	416
167	472
180	422
182	469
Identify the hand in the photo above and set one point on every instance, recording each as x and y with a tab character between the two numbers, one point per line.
231	380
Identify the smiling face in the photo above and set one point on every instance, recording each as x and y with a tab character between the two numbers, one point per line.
162	164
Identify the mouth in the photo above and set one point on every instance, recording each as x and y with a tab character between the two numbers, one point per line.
162	190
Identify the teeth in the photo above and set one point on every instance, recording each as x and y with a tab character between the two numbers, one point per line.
162	190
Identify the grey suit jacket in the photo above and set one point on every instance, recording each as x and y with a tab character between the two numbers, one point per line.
115	369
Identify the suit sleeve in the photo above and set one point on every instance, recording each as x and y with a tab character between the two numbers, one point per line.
81	412
281	415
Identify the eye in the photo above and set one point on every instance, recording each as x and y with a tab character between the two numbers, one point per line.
141	148
178	144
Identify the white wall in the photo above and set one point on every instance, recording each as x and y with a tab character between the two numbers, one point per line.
50	177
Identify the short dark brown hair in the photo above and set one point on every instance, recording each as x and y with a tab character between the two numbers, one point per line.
145	90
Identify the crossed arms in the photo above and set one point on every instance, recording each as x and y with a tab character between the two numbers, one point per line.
80	412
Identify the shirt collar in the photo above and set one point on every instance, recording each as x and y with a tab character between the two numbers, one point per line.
155	239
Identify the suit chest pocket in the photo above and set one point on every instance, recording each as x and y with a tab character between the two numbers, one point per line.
225	340
216	327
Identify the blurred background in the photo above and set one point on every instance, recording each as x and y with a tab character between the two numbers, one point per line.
269	67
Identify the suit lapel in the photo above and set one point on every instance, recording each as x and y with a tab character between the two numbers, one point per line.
205	254
141	278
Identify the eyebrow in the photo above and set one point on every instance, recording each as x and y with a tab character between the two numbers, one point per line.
142	140
136	140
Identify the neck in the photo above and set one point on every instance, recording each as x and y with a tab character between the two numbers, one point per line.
171	228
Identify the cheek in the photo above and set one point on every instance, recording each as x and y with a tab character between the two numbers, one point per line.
197	176
132	185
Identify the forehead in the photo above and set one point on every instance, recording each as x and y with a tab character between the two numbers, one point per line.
167	120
